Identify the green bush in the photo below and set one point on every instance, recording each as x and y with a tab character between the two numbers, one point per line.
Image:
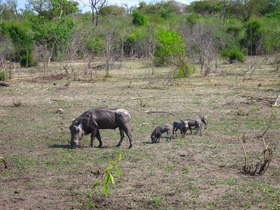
233	55
22	42
139	19
3	76
170	47
184	70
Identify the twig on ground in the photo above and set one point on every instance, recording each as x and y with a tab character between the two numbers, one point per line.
158	112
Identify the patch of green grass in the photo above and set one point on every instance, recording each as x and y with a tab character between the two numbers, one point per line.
155	201
185	170
231	182
194	189
168	167
211	206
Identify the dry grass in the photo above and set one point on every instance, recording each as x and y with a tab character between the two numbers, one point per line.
191	173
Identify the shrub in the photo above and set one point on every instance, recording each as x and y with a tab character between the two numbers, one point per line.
3	76
184	70
139	19
27	60
233	55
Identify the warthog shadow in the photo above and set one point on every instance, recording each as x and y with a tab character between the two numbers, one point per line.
61	146
149	141
67	146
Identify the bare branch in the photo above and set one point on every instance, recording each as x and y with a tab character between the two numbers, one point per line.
245	155
158	112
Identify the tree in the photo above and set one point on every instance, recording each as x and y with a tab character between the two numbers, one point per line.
139	19
8	10
21	41
244	9
265	7
96	7
112	10
206	7
254	32
200	35
51	37
271	34
53	8
169	48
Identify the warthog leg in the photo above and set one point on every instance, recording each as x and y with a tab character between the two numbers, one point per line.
95	133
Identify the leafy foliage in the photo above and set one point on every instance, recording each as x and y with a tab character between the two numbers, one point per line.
169	45
57	26
139	19
22	42
3	75
184	70
233	55
271	34
55	34
52	9
254	31
106	177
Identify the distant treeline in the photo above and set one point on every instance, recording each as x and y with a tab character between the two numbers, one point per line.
168	32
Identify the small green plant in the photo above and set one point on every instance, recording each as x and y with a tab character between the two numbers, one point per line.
211	206
156	201
3	76
186	169
106	177
231	182
184	70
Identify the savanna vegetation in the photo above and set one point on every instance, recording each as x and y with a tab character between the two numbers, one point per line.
163	61
167	32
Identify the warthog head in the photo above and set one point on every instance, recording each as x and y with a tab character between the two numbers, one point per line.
76	135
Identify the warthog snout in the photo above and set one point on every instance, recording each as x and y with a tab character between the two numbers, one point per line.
74	144
76	135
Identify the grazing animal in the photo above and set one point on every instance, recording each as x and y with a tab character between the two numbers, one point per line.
180	125
197	124
158	131
91	121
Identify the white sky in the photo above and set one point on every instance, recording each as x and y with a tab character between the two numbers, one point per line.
84	4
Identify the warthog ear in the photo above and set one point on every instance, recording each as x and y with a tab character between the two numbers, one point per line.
80	129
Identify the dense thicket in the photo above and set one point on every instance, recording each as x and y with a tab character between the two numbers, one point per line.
169	32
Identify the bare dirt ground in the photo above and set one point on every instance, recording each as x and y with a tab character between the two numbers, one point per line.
195	172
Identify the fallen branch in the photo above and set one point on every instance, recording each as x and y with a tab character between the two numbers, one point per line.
159	112
257	98
261	136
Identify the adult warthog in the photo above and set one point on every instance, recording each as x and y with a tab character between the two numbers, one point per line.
91	121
